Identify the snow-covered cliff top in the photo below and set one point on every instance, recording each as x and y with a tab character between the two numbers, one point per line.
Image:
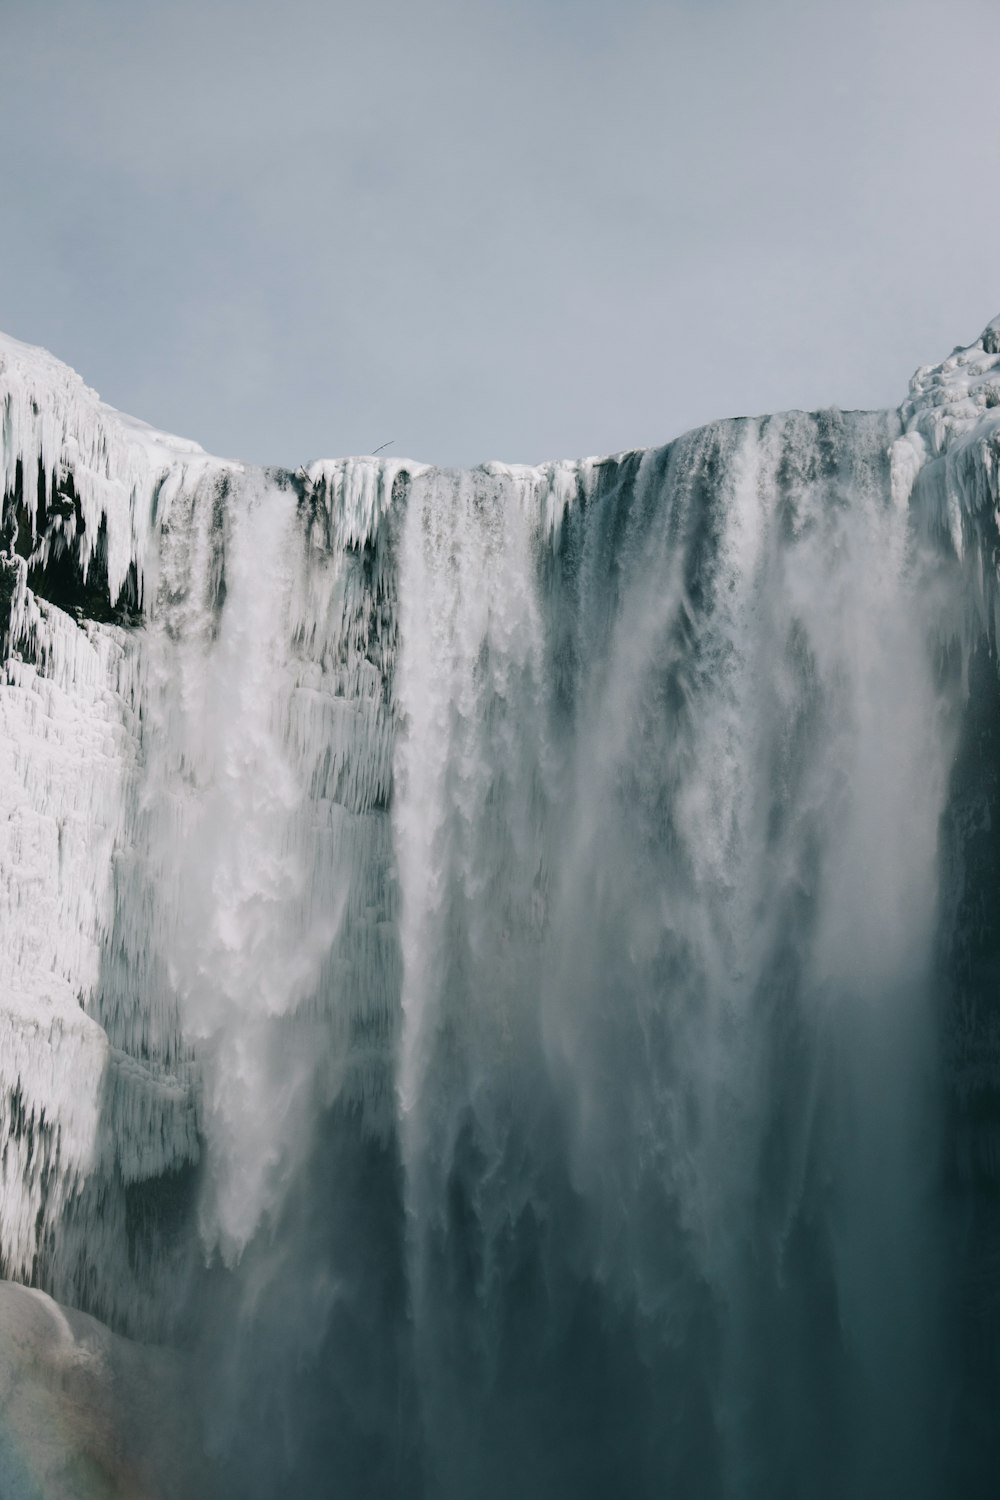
124	473
956	395
105	469
55	426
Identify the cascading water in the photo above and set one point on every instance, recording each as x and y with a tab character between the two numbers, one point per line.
667	823
500	965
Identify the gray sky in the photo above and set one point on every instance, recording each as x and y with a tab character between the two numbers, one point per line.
512	229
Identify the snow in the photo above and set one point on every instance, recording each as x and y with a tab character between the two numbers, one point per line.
88	1416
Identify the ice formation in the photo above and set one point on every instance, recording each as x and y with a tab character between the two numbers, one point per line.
501	962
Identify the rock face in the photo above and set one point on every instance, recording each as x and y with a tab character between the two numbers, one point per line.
498	967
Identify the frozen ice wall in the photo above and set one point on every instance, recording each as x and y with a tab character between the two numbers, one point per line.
198	949
503	963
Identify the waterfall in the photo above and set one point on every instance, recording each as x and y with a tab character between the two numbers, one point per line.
668	807
499	966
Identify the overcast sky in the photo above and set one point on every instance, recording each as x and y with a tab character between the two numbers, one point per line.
514	229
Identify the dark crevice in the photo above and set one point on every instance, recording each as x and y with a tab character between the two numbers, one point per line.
50	543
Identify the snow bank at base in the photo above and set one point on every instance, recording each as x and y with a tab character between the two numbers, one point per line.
86	1415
